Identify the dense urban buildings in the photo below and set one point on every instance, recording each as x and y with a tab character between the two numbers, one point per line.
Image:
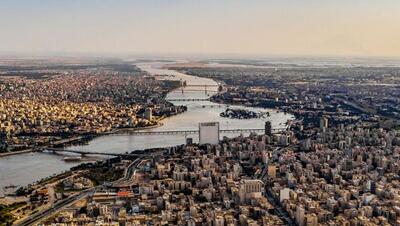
342	176
336	163
345	94
46	103
200	113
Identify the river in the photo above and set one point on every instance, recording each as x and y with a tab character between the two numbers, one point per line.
27	168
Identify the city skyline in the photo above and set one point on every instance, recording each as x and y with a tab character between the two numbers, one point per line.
184	112
299	28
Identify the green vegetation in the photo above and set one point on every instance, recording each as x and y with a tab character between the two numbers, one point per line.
6	218
54	178
100	172
101	175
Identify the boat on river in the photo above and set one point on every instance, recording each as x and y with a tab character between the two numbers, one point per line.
72	159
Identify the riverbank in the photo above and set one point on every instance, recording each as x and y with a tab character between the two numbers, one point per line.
40	165
34	149
16	152
125	130
71	141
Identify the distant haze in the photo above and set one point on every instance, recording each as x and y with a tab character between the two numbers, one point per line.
262	27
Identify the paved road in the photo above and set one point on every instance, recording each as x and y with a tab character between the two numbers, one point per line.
129	174
279	210
36	218
67	140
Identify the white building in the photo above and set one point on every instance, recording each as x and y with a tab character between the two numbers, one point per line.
209	133
284	194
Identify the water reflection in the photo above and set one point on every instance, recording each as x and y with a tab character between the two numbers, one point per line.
27	168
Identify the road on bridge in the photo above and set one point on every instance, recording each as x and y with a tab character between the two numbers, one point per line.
184	132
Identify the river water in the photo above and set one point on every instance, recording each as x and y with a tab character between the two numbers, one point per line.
27	168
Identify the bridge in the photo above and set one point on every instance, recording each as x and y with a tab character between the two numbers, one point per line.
184	88
84	153
185	132
188	85
197	90
209	106
188	99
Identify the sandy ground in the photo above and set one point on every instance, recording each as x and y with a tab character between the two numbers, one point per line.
8	200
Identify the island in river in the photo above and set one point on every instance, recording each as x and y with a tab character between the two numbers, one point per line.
233	113
14	168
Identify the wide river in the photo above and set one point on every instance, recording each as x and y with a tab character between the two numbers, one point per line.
27	168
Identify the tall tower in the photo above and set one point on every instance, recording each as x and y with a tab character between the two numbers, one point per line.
268	128
208	133
148	114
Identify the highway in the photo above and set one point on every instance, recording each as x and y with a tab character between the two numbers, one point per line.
129	174
36	218
125	181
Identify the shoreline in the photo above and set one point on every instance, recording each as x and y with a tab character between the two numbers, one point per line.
127	130
67	141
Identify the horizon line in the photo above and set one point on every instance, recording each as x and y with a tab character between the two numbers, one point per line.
233	55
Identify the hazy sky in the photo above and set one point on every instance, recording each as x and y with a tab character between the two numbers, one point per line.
263	27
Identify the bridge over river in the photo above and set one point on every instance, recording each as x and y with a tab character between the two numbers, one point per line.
185	132
187	99
13	168
84	153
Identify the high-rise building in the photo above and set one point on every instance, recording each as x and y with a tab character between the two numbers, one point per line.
284	194
148	114
306	144
284	139
300	212
268	128
209	133
323	123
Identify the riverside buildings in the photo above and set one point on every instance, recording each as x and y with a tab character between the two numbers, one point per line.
70	101
348	176
332	166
